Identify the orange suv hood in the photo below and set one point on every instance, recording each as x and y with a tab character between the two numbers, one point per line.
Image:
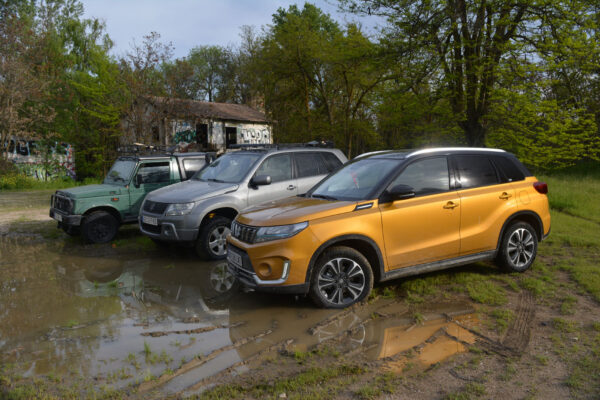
293	210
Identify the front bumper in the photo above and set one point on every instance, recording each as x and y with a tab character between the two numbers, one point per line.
64	218
247	277
274	266
169	230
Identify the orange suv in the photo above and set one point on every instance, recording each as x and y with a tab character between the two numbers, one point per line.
390	214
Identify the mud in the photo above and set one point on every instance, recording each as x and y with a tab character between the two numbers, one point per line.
131	315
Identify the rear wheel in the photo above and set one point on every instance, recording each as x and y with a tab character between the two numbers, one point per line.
212	240
99	227
518	248
342	277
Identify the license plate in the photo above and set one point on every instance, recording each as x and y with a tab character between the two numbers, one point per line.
234	258
149	220
58	217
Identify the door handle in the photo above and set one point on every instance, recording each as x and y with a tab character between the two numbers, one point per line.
450	205
505	196
291	187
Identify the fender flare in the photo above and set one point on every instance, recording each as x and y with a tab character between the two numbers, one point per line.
539	229
367	240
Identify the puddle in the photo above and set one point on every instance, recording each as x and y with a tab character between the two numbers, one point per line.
162	319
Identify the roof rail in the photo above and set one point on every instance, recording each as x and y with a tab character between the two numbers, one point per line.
277	146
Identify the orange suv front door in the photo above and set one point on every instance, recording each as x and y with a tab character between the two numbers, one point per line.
424	228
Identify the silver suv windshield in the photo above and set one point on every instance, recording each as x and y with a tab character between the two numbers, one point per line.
355	181
229	168
120	173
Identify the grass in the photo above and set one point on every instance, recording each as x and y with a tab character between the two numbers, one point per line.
19	182
314	383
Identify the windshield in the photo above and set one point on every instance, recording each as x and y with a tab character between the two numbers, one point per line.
120	173
355	181
229	168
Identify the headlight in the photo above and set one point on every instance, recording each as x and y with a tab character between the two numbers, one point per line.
179	209
267	233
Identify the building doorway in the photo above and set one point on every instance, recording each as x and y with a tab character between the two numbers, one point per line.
230	136
202	135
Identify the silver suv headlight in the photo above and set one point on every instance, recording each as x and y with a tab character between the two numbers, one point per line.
179	209
267	233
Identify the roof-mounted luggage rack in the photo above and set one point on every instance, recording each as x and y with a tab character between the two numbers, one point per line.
277	146
139	149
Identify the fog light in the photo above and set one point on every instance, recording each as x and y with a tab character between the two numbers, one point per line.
264	270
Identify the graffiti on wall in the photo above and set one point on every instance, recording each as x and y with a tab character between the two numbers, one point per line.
255	135
28	159
183	132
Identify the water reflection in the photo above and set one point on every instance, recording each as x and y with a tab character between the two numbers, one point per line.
121	316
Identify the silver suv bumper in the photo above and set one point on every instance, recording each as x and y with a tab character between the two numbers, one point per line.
169	230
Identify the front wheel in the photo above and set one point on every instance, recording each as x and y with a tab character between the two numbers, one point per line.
212	240
342	277
518	248
99	227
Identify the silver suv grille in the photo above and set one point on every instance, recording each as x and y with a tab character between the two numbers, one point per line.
244	233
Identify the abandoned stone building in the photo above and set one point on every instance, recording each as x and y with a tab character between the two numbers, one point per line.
207	125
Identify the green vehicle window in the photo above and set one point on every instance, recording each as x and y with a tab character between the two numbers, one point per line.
155	172
120	173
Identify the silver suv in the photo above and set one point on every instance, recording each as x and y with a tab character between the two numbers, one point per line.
199	211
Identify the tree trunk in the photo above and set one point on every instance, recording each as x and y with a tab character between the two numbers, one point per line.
474	132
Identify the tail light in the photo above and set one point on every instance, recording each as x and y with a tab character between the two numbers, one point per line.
541	187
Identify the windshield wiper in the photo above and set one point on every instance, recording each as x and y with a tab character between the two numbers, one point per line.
215	180
323	196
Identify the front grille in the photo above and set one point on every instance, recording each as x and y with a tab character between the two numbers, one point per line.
155	207
242	273
151	228
244	233
61	203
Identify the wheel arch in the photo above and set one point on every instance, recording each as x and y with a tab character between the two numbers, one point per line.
111	210
227	212
363	244
528	216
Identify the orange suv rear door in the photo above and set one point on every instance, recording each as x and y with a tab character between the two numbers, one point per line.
424	228
486	203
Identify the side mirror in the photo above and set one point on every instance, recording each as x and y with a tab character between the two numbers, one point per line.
138	181
261	180
401	192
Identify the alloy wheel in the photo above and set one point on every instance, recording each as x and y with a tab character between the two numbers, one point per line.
217	240
341	280
521	247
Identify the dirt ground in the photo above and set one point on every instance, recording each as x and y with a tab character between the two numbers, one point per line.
129	319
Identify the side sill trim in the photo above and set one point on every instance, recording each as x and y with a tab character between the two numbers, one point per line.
438	265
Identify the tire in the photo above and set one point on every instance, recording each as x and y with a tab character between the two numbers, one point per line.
518	248
336	282
71	230
99	227
211	243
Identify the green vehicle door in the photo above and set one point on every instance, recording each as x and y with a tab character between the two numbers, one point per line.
151	175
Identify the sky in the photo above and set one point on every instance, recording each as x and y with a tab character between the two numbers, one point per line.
190	23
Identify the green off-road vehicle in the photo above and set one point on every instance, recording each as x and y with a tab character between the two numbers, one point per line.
97	211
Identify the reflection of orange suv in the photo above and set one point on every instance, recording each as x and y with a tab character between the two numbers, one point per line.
389	215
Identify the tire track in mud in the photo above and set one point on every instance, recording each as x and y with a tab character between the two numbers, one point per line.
519	332
192	331
198	361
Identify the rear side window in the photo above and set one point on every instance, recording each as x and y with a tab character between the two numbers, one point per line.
509	171
192	165
475	171
331	161
309	164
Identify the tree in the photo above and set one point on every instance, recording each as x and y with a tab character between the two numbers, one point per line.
22	90
467	41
